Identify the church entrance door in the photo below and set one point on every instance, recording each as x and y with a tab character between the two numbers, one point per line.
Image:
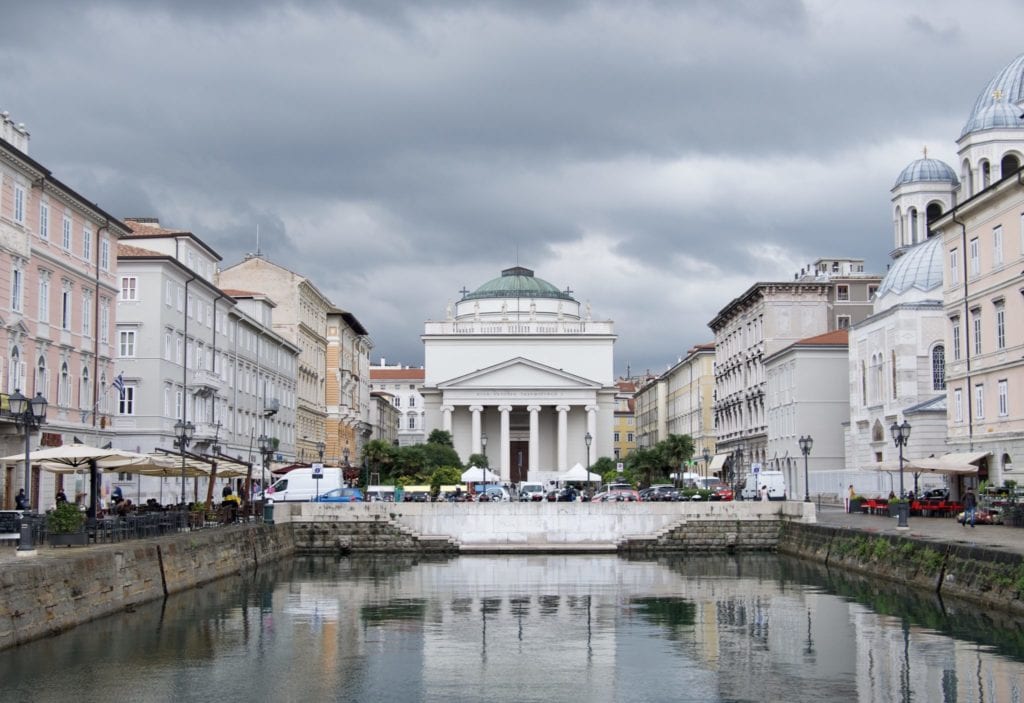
519	460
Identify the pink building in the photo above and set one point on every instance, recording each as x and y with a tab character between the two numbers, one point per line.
58	296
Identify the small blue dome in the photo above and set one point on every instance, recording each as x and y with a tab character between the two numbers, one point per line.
919	269
927	170
998	105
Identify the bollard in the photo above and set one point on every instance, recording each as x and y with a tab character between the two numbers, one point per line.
268	513
26	547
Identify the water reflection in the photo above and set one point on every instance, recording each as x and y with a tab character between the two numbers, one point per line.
539	628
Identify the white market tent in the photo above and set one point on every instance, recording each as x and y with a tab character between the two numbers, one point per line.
475	474
578	474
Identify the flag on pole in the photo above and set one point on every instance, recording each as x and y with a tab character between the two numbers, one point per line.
119	385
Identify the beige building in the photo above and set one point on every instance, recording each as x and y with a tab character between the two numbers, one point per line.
651	412
768	317
404	383
690	401
301	318
624	428
347	389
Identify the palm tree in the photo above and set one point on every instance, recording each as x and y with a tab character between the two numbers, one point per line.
379	453
647	461
675	450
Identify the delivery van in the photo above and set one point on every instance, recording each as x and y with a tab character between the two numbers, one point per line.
775	480
299	484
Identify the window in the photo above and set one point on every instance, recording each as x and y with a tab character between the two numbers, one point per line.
954	266
168	347
975	257
44	221
842	292
168	294
126	403
412	422
104	254
1004	398
85	391
843	322
979	401
412	401
167	400
16	284
87	313
616	437
958	405
64	387
104	320
997	246
976	325
1000	325
19	204
86	243
44	296
129	288
955	322
872	291
67	233
938	368
629	437
65	308
126	344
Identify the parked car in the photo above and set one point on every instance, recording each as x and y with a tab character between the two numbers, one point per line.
617	495
659	492
341	495
493	494
531	491
719	489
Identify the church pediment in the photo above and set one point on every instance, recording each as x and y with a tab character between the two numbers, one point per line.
519	373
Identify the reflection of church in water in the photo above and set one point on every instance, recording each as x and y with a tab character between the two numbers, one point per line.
519	372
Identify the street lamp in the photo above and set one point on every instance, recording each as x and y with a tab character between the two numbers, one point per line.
588	439
184	432
707	462
900	437
805	448
483	469
266	445
320	447
29	414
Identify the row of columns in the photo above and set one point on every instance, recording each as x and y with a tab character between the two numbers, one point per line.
562	455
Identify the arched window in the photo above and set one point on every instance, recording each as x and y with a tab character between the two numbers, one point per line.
897	225
1007	462
877	432
103	393
42	377
64	386
85	390
15	374
986	174
938	368
912	239
1009	165
967	178
933	213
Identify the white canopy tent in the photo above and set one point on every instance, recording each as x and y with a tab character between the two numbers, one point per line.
475	474
578	474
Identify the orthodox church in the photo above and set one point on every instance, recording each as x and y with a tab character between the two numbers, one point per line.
519	371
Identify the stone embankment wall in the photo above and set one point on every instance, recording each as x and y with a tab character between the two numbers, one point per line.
988	577
709	536
65	587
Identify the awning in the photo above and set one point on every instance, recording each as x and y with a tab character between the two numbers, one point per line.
718	462
957	463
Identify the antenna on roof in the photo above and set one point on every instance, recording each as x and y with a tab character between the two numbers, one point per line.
258	252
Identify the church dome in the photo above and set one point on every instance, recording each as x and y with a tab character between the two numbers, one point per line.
926	170
917	271
999	104
517	282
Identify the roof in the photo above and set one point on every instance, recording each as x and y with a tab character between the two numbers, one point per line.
518	282
919	269
397	374
838	338
149	228
926	169
129	250
999	103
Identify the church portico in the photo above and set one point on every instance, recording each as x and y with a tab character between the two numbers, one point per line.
525	365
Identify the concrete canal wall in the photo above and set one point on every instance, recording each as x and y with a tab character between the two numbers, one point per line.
986	576
539	527
64	587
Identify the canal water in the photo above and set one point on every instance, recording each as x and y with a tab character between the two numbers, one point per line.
531	628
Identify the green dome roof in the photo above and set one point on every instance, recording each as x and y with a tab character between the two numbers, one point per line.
517	282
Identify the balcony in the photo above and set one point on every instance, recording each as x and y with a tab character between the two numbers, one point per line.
206	383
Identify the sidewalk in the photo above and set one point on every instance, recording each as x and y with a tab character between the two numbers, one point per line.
944	530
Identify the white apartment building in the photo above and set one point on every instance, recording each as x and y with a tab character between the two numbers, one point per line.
404	384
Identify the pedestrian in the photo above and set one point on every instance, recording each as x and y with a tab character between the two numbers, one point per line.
226	492
970	507
764	494
62	497
21	500
849	497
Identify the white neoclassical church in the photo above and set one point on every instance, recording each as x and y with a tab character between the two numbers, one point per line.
520	372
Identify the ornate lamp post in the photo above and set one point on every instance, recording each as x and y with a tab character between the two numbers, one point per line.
588	439
805	448
29	414
900	437
184	432
320	447
266	445
707	462
483	469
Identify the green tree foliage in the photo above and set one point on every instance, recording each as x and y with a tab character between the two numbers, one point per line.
438	455
603	465
648	463
441	437
675	449
380	455
410	461
478	460
444	476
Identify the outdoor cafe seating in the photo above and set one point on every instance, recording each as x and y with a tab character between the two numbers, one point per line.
926	507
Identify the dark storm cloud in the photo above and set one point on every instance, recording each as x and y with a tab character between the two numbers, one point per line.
655	156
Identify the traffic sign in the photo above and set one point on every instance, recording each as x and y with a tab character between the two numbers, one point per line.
318	471
755	467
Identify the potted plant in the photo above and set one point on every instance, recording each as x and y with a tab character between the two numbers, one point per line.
65	526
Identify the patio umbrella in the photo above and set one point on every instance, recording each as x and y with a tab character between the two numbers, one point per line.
474	474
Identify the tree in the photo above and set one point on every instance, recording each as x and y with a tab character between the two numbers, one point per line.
603	466
444	476
478	460
646	462
675	450
379	454
436	455
441	437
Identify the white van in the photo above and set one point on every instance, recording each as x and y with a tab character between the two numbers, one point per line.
299	484
531	491
775	480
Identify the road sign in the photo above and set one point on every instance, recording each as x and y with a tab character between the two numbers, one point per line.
619	466
318	471
755	467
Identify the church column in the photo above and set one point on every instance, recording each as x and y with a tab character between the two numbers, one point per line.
474	442
534	437
592	429
506	472
446	418
563	437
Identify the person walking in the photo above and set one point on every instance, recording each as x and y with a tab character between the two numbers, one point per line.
970	506
764	493
21	500
849	497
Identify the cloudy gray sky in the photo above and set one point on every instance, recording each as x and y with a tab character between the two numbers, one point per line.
656	157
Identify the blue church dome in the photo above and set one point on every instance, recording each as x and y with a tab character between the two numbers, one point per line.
926	170
920	269
999	104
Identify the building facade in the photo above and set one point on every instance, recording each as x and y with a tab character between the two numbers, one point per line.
624	439
524	363
348	425
301	318
404	383
690	398
58	273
